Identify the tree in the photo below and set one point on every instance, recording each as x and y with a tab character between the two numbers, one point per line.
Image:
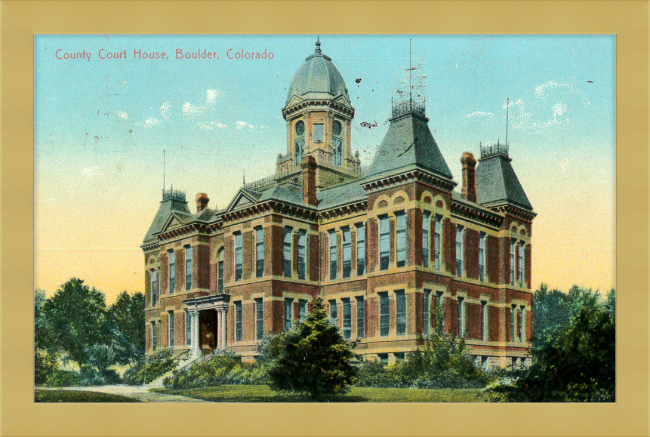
126	325
315	359
76	315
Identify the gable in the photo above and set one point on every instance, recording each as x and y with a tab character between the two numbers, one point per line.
173	222
241	200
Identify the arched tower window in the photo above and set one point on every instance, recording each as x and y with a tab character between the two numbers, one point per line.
299	144
337	142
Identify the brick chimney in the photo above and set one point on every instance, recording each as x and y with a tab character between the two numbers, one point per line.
469	176
201	202
309	180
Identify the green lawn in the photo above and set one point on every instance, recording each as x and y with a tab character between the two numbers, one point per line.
78	396
262	393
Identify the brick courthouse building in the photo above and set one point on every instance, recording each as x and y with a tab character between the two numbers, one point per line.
383	249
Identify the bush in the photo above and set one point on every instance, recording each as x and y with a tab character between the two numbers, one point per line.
151	368
64	378
222	369
45	365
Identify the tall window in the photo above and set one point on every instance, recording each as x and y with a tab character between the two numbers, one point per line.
154	336
401	239
188	267
259	320
384	315
513	243
288	313
171	328
484	321
513	323
400	312
302	310
238	256
440	309
520	255
332	255
461	317
334	314
523	324
288	232
154	287
300	150
481	257
220	271
438	232
238	323
188	327
426	314
347	253
318	133
172	271
347	319
384	243
361	249
302	254
259	252
361	317
460	257
338	150
425	238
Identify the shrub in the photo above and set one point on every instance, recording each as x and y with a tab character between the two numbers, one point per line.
151	368
64	378
45	365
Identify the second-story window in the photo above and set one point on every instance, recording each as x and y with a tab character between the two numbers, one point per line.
347	253
188	267
459	250
481	257
220	271
259	252
384	243
347	318
154	287
513	243
425	238
333	266
520	255
437	236
288	232
401	239
172	271
361	250
302	254
238	256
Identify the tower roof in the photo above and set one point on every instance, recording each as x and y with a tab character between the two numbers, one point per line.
497	182
408	144
173	202
318	78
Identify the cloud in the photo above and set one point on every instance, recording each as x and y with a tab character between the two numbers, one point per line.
212	125
190	110
151	122
480	114
90	171
242	124
123	115
164	109
540	90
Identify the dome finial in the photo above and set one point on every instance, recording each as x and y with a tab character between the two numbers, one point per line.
317	51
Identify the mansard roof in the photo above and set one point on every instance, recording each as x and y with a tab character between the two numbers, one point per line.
497	183
408	144
173	203
340	195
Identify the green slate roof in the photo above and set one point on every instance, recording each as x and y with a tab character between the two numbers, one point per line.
167	207
497	183
340	195
408	144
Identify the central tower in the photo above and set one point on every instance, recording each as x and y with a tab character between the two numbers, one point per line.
319	114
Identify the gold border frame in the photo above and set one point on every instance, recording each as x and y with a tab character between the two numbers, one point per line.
22	19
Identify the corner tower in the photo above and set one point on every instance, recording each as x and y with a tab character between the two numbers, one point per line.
319	115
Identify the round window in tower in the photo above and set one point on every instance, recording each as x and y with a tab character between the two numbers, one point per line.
336	127
300	128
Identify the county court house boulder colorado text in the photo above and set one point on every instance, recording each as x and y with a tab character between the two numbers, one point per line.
383	247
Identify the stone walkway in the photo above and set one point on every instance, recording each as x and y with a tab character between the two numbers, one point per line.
141	393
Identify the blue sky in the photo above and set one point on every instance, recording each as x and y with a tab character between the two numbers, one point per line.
101	127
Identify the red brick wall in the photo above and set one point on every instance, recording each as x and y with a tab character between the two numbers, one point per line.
247	254
294	251
372	244
453	316
391	227
527	265
277	243
201	267
314	257
417	306
471	253
228	259
493	321
324	256
413	237
504	261
164	273
493	259
449	250
473	320
147	287
508	326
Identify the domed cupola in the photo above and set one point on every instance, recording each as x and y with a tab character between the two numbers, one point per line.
317	79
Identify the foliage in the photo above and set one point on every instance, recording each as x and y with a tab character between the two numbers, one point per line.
315	359
149	369
78	396
76	315
45	365
64	378
221	369
578	365
441	363
126	325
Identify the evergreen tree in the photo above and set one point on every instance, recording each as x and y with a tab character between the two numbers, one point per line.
315	359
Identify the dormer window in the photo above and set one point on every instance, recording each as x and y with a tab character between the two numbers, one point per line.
318	133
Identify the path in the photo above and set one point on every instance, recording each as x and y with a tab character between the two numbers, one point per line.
141	393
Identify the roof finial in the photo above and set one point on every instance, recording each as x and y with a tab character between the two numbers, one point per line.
317	51
244	173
